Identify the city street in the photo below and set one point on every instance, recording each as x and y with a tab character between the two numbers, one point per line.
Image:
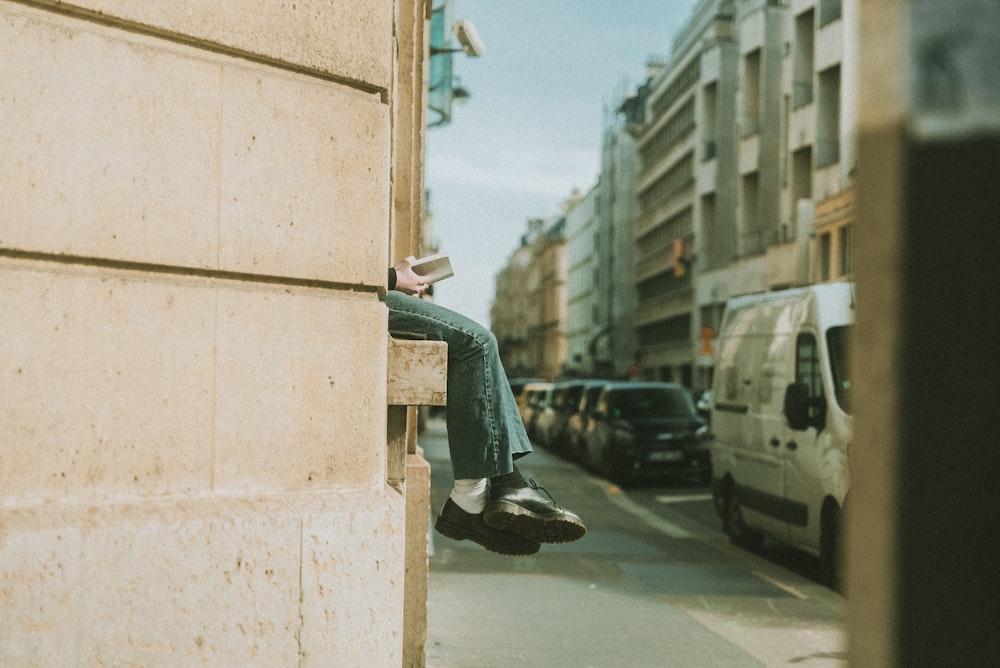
653	583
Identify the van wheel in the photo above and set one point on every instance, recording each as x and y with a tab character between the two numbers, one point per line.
829	548
737	530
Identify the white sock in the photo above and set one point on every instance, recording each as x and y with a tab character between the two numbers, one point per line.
469	494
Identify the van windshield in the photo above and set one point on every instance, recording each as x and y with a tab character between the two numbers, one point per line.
837	340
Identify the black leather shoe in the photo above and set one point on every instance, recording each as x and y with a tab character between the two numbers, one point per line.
457	524
530	511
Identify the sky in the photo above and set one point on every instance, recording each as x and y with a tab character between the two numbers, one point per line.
531	131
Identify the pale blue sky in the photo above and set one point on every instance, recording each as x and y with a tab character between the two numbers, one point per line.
531	132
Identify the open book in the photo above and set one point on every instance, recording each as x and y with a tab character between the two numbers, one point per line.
434	268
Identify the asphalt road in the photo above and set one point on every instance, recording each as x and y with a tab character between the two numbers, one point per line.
653	583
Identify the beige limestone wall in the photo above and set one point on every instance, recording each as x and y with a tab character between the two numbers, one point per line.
125	146
194	223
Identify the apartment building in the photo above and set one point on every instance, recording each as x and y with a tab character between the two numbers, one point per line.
685	227
548	332
729	171
581	315
821	74
509	314
528	315
745	162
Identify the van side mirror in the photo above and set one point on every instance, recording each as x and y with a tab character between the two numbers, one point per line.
803	411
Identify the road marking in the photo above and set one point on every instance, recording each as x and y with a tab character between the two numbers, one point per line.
615	496
782	586
683	499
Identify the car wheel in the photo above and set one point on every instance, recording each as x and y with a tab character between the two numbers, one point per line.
735	527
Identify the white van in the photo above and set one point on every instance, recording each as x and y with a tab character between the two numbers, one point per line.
781	418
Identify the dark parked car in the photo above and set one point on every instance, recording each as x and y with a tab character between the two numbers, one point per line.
648	430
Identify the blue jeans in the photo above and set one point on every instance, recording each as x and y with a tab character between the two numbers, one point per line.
485	432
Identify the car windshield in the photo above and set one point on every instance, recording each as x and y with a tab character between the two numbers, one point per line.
837	341
652	403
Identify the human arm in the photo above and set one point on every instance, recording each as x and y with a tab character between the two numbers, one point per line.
404	279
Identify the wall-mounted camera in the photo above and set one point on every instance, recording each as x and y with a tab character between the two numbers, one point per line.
467	36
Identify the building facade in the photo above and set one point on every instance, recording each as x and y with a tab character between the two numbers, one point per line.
581	316
729	171
529	312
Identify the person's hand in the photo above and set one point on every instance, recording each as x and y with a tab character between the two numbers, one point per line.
407	280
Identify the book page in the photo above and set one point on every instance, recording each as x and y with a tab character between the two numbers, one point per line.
434	268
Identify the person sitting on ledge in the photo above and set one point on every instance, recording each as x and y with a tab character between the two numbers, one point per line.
491	503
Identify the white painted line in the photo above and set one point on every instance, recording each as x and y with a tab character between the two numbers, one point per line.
683	499
615	496
782	586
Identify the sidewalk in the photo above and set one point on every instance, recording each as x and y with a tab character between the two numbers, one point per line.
638	590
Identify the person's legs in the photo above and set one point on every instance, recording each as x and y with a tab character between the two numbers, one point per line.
485	431
485	435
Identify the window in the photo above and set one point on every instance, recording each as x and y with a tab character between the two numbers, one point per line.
709	115
671	134
824	257
828	117
802	86
751	215
838	343
652	246
678	177
751	93
662	285
802	174
808	373
676	330
846	250
829	11
713	253
680	85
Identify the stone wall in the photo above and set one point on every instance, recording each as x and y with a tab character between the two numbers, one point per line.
195	218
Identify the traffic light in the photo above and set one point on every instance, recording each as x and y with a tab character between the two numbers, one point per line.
680	263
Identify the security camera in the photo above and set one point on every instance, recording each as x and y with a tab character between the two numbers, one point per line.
468	38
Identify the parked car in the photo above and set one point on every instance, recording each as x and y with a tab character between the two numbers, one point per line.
534	396
566	397
544	415
646	429
517	386
579	420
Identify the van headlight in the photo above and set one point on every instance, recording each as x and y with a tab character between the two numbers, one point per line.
701	433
